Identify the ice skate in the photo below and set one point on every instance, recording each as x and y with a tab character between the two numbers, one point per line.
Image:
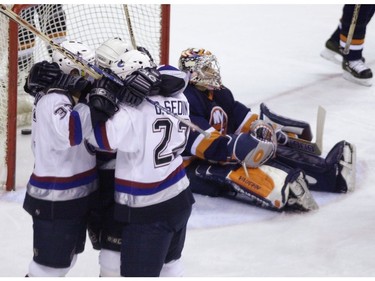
357	72
332	52
300	196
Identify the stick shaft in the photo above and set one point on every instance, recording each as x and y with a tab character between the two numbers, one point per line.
9	13
349	38
130	27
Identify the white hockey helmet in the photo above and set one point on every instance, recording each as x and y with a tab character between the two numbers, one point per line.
203	67
110	50
129	62
77	48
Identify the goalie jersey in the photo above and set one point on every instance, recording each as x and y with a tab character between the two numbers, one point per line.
64	175
150	180
220	114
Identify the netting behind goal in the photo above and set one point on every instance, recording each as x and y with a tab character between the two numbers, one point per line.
90	24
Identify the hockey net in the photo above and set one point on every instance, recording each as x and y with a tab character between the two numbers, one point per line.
90	24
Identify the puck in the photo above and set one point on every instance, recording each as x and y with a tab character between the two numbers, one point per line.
26	131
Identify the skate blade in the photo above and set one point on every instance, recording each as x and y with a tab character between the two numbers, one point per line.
362	82
331	56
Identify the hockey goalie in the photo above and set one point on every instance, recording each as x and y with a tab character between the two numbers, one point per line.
251	155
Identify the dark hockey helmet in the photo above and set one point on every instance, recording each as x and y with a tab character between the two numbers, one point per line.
203	67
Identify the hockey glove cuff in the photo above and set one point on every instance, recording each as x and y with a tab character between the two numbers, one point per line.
102	100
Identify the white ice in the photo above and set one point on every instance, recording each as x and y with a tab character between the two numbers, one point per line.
267	53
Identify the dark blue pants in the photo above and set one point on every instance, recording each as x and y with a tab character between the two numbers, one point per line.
146	247
57	241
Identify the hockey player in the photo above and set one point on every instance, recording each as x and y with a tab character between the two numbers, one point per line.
104	231
64	180
278	183
353	63
151	194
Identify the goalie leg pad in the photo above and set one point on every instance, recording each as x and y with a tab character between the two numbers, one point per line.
202	182
335	173
300	128
269	191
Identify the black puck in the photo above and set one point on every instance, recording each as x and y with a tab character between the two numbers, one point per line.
26	131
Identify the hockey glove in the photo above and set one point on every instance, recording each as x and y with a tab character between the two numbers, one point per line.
102	100
256	148
41	76
140	84
44	75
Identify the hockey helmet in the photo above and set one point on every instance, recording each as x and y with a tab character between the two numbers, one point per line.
129	62
110	50
77	48
203	67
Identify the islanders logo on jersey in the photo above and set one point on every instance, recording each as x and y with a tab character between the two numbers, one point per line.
219	120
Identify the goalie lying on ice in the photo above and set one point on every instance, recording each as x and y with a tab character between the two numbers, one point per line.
243	157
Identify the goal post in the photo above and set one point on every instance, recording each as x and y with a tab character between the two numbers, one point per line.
91	24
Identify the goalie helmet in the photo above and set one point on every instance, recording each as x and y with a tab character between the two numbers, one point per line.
77	48
110	50
129	62
203	67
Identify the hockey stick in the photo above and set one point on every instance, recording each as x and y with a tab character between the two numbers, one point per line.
9	13
316	147
130	27
91	69
156	104
349	38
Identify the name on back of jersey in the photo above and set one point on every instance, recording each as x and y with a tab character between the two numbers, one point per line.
175	106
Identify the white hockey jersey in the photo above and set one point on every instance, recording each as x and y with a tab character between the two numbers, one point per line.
149	142
65	167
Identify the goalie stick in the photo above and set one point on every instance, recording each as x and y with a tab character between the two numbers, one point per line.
307	146
91	69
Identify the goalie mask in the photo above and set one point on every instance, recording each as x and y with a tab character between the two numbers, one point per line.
77	48
110	50
203	67
129	62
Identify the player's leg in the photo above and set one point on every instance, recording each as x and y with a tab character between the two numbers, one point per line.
145	247
56	244
355	69
104	231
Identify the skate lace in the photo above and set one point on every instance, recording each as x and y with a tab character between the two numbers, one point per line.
357	65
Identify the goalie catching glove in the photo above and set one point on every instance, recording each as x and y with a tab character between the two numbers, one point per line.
44	75
140	84
256	148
